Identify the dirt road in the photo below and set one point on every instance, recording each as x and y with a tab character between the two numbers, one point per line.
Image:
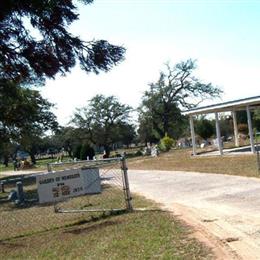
223	210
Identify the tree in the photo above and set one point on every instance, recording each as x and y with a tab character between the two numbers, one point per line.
22	109
256	119
146	131
29	59
67	138
204	127
157	119
126	133
102	120
87	152
30	141
255	115
226	125
241	117
176	89
6	149
24	116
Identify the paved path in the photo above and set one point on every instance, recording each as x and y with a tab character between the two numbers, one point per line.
221	207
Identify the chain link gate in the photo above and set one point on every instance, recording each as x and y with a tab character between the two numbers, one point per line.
26	216
114	194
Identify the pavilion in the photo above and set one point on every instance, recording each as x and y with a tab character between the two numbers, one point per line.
247	104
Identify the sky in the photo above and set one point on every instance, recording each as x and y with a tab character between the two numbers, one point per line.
223	36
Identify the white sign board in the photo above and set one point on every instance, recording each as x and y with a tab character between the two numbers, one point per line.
57	186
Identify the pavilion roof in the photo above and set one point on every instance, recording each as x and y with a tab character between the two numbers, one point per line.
233	105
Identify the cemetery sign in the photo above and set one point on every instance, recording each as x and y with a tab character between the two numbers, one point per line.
57	186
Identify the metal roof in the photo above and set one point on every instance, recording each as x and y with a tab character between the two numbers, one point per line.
225	106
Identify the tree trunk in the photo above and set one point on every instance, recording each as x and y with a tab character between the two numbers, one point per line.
107	149
158	129
69	150
6	160
33	158
166	120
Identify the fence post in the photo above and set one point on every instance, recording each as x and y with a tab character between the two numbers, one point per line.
2	187
126	185
20	193
48	167
258	159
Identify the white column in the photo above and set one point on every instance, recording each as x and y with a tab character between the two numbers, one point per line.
218	135
234	115
192	136
250	129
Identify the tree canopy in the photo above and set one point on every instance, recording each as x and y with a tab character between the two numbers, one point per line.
204	127
29	58
177	88
24	116
104	121
22	109
179	85
157	119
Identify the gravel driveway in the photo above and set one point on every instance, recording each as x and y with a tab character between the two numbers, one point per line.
222	208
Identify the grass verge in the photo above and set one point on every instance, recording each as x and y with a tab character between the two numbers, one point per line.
138	235
181	160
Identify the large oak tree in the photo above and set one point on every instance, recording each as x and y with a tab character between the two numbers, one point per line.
176	89
104	121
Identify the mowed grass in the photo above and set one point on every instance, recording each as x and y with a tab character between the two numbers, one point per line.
137	235
41	165
3	168
33	218
181	160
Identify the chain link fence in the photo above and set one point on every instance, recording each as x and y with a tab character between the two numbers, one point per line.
22	214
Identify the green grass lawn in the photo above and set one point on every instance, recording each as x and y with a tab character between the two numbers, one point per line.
147	235
181	160
41	164
4	168
36	232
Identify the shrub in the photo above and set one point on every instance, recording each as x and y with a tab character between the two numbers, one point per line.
166	143
76	151
86	152
138	153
